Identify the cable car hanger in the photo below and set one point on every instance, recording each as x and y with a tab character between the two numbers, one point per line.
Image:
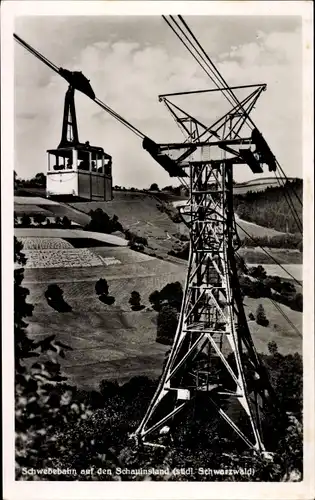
78	81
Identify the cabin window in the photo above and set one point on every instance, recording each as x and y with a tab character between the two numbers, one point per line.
84	160
108	166
100	163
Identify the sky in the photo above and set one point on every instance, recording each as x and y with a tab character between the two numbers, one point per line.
129	61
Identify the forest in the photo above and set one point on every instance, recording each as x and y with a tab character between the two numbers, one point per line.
270	208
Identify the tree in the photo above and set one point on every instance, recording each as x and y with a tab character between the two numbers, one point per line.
40	179
66	223
298	302
55	299
16	180
272	347
261	318
135	301
39	218
172	294
167	322
135	239
58	221
26	220
155	300
258	272
154	187
101	222
101	287
102	290
54	292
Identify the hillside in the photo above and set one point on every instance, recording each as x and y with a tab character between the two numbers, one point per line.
269	208
115	342
139	213
108	341
112	341
258	184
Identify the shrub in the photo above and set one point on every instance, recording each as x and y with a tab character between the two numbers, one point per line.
154	187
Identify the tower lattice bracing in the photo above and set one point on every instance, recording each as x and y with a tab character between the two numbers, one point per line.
212	336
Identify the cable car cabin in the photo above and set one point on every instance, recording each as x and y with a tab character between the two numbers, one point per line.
82	171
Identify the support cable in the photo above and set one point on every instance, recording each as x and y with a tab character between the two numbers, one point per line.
191	52
269	255
286	317
217	74
290	203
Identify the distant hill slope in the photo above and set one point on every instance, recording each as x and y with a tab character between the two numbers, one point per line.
270	207
139	212
258	184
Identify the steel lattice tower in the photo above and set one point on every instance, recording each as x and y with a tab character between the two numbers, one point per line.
212	323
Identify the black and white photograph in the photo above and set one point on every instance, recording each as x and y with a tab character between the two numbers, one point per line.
161	323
